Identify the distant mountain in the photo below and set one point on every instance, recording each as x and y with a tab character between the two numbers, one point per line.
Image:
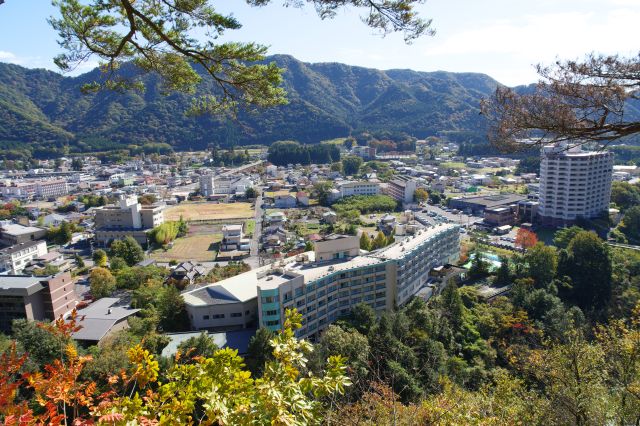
47	111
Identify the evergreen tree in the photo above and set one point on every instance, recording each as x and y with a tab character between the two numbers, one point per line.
365	241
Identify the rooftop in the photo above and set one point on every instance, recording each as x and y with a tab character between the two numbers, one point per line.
16	229
20	285
404	247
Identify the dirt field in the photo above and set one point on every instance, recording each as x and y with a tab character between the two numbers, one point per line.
209	211
199	247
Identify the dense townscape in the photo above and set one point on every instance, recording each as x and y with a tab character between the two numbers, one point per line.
194	232
430	275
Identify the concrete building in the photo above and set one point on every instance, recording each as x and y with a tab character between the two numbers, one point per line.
46	189
15	258
13	233
499	216
284	201
207	185
35	298
350	188
232	238
128	218
573	184
401	188
323	290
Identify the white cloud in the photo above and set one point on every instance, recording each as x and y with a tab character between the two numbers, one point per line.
9	57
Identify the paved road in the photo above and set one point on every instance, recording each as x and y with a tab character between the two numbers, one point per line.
253	259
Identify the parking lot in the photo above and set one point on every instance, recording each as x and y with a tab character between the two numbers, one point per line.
437	213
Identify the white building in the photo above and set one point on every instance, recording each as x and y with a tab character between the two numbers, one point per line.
207	185
573	184
350	188
15	258
326	284
128	218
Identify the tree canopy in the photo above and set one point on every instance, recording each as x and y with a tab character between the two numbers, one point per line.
574	102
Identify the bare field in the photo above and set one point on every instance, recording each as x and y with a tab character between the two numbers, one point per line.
209	211
200	248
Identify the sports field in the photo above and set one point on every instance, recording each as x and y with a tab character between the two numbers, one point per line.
199	247
208	211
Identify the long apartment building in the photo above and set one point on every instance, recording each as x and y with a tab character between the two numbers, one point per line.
41	188
128	218
350	188
573	184
325	284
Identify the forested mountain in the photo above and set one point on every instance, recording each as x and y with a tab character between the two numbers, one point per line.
46	110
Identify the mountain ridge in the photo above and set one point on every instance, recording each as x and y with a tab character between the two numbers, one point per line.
326	100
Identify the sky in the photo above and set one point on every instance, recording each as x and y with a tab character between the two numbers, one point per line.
501	38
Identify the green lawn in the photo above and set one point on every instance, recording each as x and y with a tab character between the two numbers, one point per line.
250	227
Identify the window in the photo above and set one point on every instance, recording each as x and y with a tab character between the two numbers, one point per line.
236	314
205	317
218	316
273	323
271	313
268	299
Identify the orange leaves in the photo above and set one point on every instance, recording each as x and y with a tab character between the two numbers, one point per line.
525	238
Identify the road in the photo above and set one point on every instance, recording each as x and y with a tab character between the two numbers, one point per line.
253	259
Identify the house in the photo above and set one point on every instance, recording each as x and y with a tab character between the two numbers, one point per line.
287	201
329	217
54	219
387	223
187	271
232	238
53	258
276	218
101	319
302	198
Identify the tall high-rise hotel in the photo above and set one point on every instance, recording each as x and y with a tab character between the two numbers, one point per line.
573	184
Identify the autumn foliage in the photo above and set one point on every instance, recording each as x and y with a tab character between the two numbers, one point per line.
526	239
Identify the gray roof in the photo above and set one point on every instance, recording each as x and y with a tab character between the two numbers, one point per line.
238	340
20	285
17	247
99	318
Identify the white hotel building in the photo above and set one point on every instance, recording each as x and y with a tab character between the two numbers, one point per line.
573	184
326	284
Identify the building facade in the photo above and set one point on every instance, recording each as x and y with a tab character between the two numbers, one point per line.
348	189
128	218
324	285
573	184
35	298
207	185
401	188
15	258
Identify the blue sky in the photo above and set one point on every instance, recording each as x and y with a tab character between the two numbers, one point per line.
502	38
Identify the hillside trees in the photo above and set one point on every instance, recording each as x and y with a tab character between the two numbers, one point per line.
289	152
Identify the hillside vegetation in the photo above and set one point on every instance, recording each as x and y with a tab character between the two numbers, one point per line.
326	101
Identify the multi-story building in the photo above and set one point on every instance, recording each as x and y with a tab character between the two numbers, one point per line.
51	188
326	284
207	185
573	184
35	298
401	188
44	188
128	218
348	189
365	152
15	258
